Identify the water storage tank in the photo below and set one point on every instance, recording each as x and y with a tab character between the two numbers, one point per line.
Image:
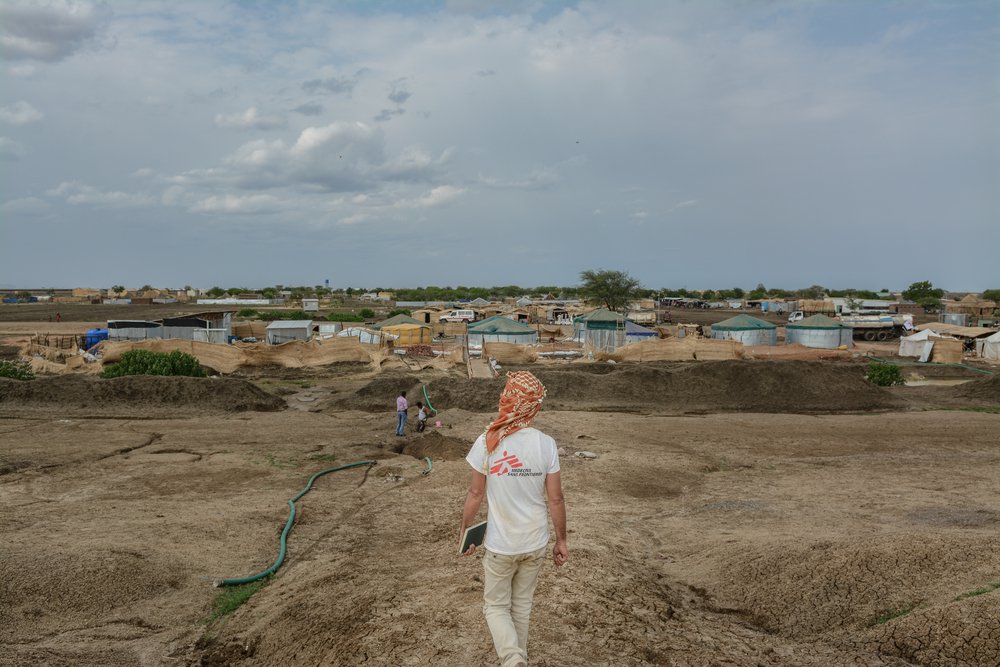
819	331
747	330
95	336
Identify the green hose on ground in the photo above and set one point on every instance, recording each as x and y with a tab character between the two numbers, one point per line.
288	527
430	466
428	400
926	363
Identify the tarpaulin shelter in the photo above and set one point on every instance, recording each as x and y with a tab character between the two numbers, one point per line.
989	348
603	329
410	334
400	318
365	335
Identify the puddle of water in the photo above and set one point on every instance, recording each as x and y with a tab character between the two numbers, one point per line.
938	382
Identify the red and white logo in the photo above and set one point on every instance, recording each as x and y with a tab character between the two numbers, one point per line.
505	464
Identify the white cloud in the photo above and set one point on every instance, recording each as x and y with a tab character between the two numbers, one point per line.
24	205
144	172
10	149
440	195
49	31
249	120
685	204
237	204
22	70
80	194
20	113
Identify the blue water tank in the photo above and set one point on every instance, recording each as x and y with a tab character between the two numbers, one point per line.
95	336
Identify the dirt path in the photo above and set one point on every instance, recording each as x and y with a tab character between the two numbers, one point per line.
742	539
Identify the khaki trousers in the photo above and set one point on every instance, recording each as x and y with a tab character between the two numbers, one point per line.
509	587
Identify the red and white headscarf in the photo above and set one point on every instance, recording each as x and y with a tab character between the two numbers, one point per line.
519	403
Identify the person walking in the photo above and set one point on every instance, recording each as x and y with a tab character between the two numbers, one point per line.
401	407
421	417
517	466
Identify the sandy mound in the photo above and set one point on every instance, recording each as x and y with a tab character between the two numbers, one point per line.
716	386
987	389
74	394
880	594
438	447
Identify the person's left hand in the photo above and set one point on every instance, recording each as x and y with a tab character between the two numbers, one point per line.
470	551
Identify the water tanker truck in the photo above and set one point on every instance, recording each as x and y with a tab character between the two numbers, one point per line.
871	327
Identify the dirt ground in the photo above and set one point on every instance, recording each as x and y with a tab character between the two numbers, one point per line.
738	513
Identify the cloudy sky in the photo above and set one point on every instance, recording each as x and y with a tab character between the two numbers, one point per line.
696	144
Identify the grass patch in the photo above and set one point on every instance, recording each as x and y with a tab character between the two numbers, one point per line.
890	614
273	461
231	598
323	457
989	588
989	409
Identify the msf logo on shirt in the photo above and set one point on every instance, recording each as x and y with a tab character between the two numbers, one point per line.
505	464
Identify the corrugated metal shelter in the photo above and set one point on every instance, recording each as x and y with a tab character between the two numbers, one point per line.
410	334
202	327
819	331
282	331
500	329
747	330
125	330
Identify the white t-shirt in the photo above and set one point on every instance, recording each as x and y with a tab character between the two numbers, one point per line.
515	489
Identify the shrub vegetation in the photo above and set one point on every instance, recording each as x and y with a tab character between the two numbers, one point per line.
18	369
283	315
885	375
147	362
345	317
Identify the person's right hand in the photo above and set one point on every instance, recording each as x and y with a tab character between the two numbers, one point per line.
470	551
560	553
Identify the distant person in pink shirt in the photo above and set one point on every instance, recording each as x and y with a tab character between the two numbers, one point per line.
401	407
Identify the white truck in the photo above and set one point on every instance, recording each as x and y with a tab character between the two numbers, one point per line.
462	315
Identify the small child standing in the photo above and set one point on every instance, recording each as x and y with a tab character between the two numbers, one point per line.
421	417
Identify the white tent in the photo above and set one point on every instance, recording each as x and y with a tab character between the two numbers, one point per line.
913	346
989	347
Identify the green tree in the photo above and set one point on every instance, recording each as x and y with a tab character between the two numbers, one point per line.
924	293
814	292
758	292
117	289
614	289
215	292
145	288
991	295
